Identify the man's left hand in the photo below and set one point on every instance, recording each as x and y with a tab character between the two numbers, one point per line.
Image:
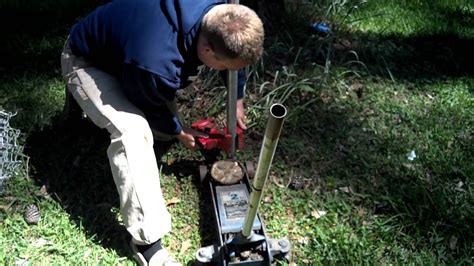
241	118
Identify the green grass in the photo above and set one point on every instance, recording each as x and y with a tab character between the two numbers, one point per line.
400	211
56	239
394	77
407	18
36	98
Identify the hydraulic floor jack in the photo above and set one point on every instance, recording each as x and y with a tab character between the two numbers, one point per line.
242	239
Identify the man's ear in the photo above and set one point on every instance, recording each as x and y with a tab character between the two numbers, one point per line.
204	46
206	49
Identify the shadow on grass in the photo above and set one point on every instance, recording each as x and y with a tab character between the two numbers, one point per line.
417	58
437	48
435	53
70	158
184	168
31	31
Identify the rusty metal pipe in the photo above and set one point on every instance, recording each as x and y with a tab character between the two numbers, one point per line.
270	141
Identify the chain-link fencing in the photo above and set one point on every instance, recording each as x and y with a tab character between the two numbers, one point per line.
10	150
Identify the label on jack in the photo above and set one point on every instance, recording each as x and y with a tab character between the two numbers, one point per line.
232	203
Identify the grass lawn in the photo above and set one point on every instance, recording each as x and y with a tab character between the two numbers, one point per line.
379	136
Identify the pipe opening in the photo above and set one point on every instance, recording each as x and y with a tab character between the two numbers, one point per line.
278	110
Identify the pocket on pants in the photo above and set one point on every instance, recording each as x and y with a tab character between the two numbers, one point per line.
78	84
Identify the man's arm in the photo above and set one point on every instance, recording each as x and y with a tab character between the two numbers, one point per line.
151	93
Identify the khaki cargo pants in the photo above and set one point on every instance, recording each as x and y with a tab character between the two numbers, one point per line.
131	155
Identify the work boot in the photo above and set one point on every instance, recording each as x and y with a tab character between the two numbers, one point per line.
161	258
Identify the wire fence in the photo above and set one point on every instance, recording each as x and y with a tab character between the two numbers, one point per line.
10	150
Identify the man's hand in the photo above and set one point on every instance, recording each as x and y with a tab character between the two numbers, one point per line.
187	137
187	140
241	118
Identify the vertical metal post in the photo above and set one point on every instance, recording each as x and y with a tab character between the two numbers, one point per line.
270	141
232	81
232	84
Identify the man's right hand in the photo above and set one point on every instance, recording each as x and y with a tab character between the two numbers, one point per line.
187	137
187	140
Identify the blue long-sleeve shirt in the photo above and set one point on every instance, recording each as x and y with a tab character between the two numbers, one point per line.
151	46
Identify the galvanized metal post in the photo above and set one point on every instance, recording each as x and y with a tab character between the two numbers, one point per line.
232	81
270	141
232	84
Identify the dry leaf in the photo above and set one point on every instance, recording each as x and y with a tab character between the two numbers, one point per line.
409	166
290	214
361	212
459	187
10	198
171	161
356	86
9	205
318	214
43	191
345	189
317	190
21	261
303	240
277	181
42	242
268	199
173	201
87	253
185	246
187	229
453	241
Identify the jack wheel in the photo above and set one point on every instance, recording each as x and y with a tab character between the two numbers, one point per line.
250	169
203	172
